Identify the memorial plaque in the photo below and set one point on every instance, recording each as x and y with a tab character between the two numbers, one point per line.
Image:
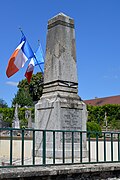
71	120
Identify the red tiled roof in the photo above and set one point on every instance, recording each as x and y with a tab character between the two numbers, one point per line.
103	101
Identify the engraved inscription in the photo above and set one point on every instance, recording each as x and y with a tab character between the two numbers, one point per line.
71	120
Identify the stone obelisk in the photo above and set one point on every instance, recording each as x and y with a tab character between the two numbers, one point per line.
60	107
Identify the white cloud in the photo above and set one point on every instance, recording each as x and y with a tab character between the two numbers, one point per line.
11	83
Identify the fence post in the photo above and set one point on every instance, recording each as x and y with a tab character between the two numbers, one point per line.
53	147
111	146
63	142
72	147
11	133
89	146
22	146
81	147
44	146
104	147
97	146
33	147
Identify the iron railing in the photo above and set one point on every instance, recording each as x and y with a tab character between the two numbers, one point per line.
22	147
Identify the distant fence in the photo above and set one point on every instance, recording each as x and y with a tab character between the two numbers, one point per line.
18	147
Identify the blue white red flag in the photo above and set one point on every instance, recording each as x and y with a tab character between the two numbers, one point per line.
19	57
36	60
30	70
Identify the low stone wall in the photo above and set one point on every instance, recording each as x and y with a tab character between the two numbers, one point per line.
17	146
63	172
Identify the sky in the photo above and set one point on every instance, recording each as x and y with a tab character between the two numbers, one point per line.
97	32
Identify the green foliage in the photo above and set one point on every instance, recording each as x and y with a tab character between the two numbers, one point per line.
3	104
29	94
22	98
23	123
114	124
8	114
35	87
93	126
32	113
97	114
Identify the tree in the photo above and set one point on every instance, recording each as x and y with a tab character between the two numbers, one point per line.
7	114
3	104
29	94
22	98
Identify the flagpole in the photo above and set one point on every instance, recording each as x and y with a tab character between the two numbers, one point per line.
36	58
21	31
38	64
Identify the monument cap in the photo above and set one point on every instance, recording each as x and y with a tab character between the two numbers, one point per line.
61	19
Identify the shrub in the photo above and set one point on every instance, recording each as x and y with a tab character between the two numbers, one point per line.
93	127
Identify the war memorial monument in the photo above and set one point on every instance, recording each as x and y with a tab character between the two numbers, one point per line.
60	107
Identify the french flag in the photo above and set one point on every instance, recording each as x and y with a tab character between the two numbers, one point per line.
19	57
30	70
36	60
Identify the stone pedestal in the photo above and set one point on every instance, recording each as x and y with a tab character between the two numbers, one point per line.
60	107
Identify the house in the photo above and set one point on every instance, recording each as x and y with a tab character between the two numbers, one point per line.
103	101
